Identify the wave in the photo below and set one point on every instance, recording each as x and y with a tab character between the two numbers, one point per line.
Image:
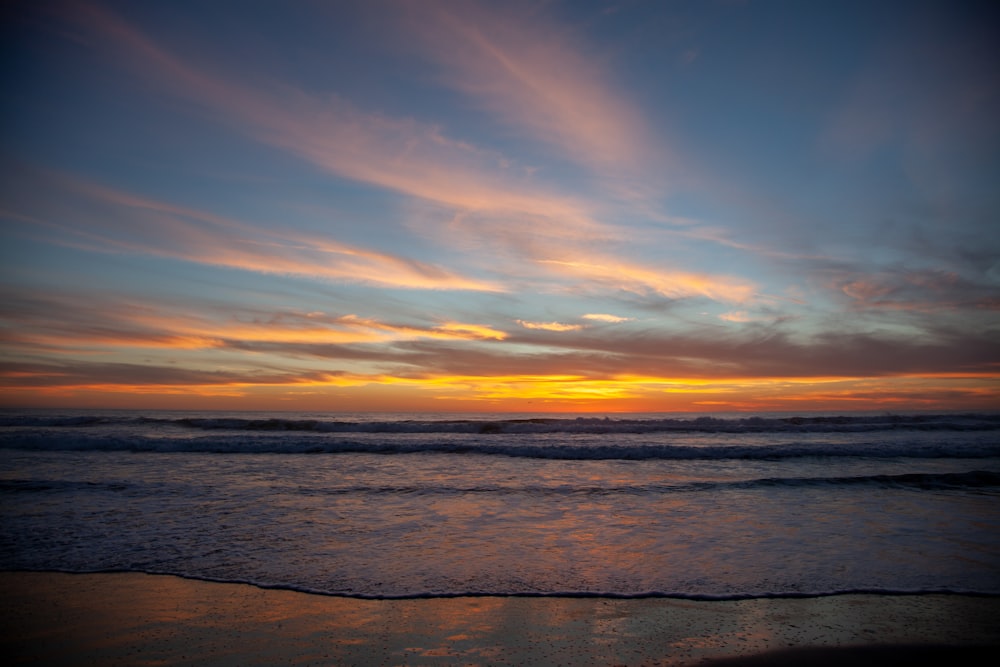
592	425
975	479
535	449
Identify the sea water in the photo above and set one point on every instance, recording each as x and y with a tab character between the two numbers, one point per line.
385	506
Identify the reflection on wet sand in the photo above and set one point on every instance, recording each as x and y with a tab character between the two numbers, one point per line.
140	619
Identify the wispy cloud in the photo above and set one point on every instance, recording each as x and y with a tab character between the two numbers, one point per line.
636	277
917	290
549	326
397	153
605	317
560	95
66	343
69	376
102	219
755	352
69	323
537	77
61	326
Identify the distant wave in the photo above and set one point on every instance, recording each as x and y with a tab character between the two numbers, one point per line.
247	443
752	424
975	479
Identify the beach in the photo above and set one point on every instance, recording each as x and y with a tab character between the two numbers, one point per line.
142	619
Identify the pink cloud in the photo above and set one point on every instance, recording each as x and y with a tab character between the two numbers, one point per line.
605	317
545	84
400	154
73	323
126	222
541	79
637	277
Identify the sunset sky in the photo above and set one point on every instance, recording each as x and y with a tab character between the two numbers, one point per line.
540	206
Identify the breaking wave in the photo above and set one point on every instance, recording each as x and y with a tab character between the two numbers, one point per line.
247	443
597	425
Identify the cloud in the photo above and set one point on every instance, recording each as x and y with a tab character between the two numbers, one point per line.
397	153
71	323
55	338
470	331
537	77
636	277
549	326
63	326
490	205
604	317
74	375
755	353
102	219
918	290
529	390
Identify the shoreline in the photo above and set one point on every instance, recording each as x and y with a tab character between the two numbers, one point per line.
143	619
571	595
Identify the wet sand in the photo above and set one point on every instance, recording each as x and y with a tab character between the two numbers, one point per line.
139	619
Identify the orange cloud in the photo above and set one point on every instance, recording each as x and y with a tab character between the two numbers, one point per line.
445	331
124	325
549	326
470	331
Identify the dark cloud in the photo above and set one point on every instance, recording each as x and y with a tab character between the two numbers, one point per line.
919	290
81	373
762	353
48	331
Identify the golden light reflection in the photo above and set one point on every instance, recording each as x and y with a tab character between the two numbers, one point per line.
156	619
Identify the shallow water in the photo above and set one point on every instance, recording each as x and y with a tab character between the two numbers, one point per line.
449	505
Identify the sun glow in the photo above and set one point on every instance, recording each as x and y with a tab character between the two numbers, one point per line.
520	393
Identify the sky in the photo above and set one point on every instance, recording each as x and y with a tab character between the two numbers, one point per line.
587	205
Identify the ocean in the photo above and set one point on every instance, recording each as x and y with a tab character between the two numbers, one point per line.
409	506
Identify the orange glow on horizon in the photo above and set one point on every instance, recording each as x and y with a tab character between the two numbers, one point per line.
527	393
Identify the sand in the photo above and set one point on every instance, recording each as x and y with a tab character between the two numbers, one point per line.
139	619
